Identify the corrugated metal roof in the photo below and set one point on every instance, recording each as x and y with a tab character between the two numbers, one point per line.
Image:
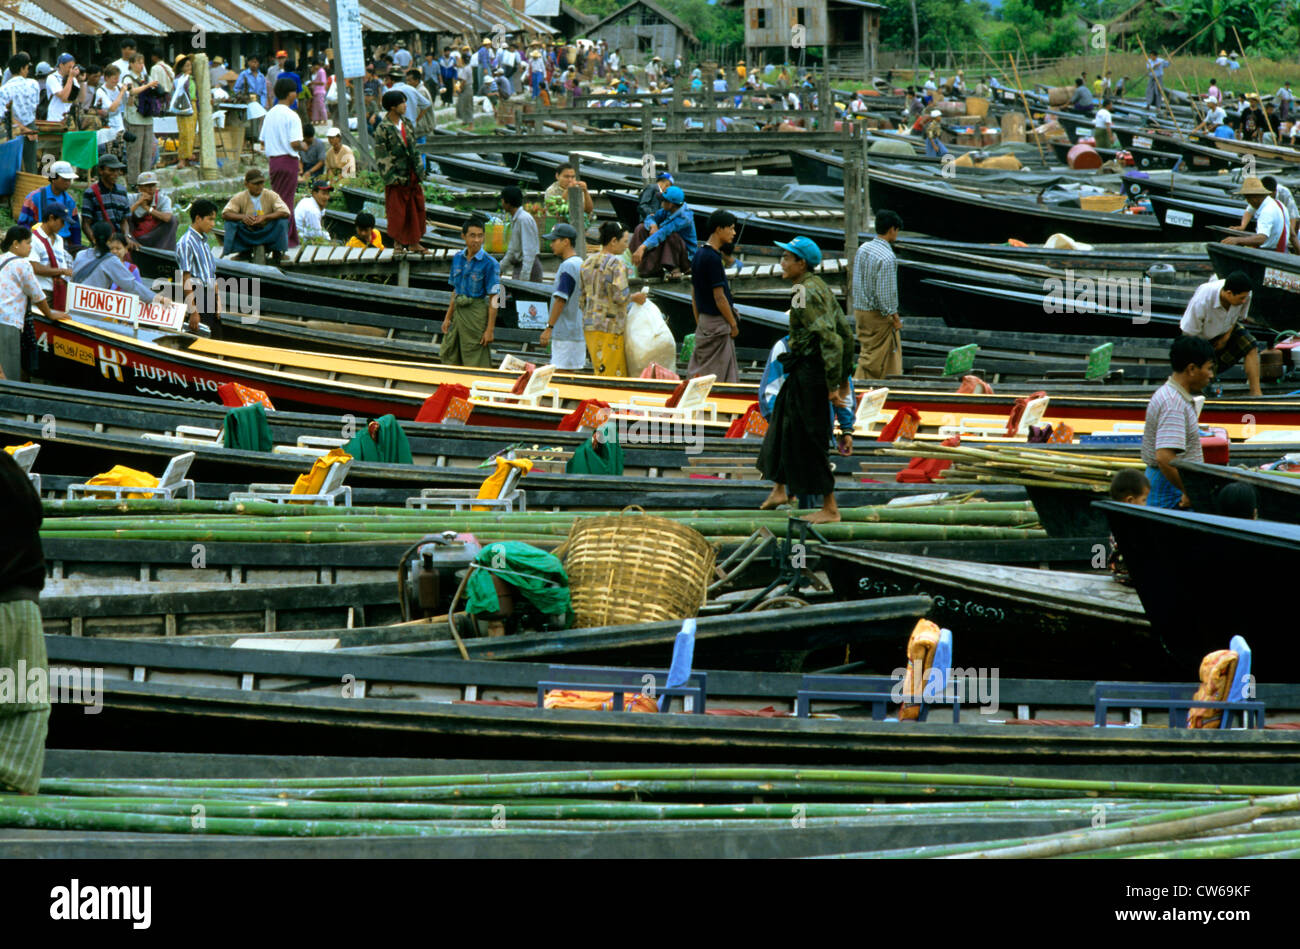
151	18
10	20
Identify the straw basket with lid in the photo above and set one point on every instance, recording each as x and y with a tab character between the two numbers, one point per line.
634	568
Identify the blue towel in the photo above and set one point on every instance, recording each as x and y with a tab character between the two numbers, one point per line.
1163	493
11	162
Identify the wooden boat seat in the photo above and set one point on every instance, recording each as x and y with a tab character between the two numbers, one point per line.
510	497
538	388
687	408
1178	698
880	691
172	482
620	682
332	490
871	411
26	458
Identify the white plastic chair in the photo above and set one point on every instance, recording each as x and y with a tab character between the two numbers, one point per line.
538	388
871	411
172	482
995	428
189	435
691	403
26	458
510	498
332	490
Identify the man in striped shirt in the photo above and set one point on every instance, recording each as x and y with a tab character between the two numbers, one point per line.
875	302
1170	430
198	269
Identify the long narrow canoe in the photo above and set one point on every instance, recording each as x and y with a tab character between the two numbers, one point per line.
1276	277
1278	495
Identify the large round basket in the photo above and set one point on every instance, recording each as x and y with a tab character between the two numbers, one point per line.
635	568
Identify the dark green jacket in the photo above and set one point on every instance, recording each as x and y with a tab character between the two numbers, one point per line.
397	160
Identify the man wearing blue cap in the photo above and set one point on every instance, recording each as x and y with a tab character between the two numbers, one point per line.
665	241
818	365
62	87
653	195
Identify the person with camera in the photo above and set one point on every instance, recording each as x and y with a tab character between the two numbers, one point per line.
143	104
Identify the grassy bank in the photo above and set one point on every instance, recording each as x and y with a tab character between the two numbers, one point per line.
1186	73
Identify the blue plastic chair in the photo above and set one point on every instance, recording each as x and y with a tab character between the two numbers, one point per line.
621	681
877	691
1177	697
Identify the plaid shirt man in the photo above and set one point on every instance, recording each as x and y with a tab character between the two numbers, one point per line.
875	278
25	95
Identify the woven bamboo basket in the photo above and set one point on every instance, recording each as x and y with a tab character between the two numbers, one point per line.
634	568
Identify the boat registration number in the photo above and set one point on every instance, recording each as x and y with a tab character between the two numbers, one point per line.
1282	279
77	352
1178	218
1141	141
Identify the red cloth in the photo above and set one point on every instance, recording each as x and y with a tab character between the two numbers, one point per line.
522	383
284	171
404	207
677	394
970	384
1018	411
435	406
235	395
571	421
656	371
890	432
926	470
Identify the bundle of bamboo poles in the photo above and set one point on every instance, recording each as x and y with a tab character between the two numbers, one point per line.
1142	818
263	522
1021	464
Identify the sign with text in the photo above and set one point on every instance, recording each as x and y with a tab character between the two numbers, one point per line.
117	305
352	54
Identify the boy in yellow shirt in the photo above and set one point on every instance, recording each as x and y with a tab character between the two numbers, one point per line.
367	234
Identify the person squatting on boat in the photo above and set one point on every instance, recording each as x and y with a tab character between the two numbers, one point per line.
256	217
875	301
1170	430
23	725
1215	313
471	318
818	366
666	241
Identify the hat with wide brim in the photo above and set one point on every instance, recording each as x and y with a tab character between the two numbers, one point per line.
1253	186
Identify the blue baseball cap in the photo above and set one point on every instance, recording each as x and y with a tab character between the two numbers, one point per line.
675	195
664	176
66	58
804	248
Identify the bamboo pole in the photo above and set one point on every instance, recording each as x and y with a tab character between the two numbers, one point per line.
1251	72
1025	102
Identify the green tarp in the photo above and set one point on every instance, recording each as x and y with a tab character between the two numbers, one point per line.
81	149
538	576
605	457
391	446
247	428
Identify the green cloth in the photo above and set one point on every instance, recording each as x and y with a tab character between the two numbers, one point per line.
247	428
23	725
531	571
605	457
81	149
390	447
819	323
688	347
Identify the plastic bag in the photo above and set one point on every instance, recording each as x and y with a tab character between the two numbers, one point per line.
647	338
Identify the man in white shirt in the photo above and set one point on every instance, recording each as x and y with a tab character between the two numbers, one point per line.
128	53
613	61
1213	119
50	261
307	213
1273	224
1284	198
402	55
282	140
1103	133
1214	313
62	87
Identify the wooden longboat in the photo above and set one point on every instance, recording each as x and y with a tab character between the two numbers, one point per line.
968	215
89	354
192	715
1277	494
1189	219
476	170
1172	554
84	607
1276	298
1144	157
1020	620
1269	153
983	306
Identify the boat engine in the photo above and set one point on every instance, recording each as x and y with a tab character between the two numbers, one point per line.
426	574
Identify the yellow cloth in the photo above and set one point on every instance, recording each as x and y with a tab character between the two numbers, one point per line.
920	656
1003	162
126	477
608	356
1217	671
13	448
185	125
633	701
310	483
376	240
491	488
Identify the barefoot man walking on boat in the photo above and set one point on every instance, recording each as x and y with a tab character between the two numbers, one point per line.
818	366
